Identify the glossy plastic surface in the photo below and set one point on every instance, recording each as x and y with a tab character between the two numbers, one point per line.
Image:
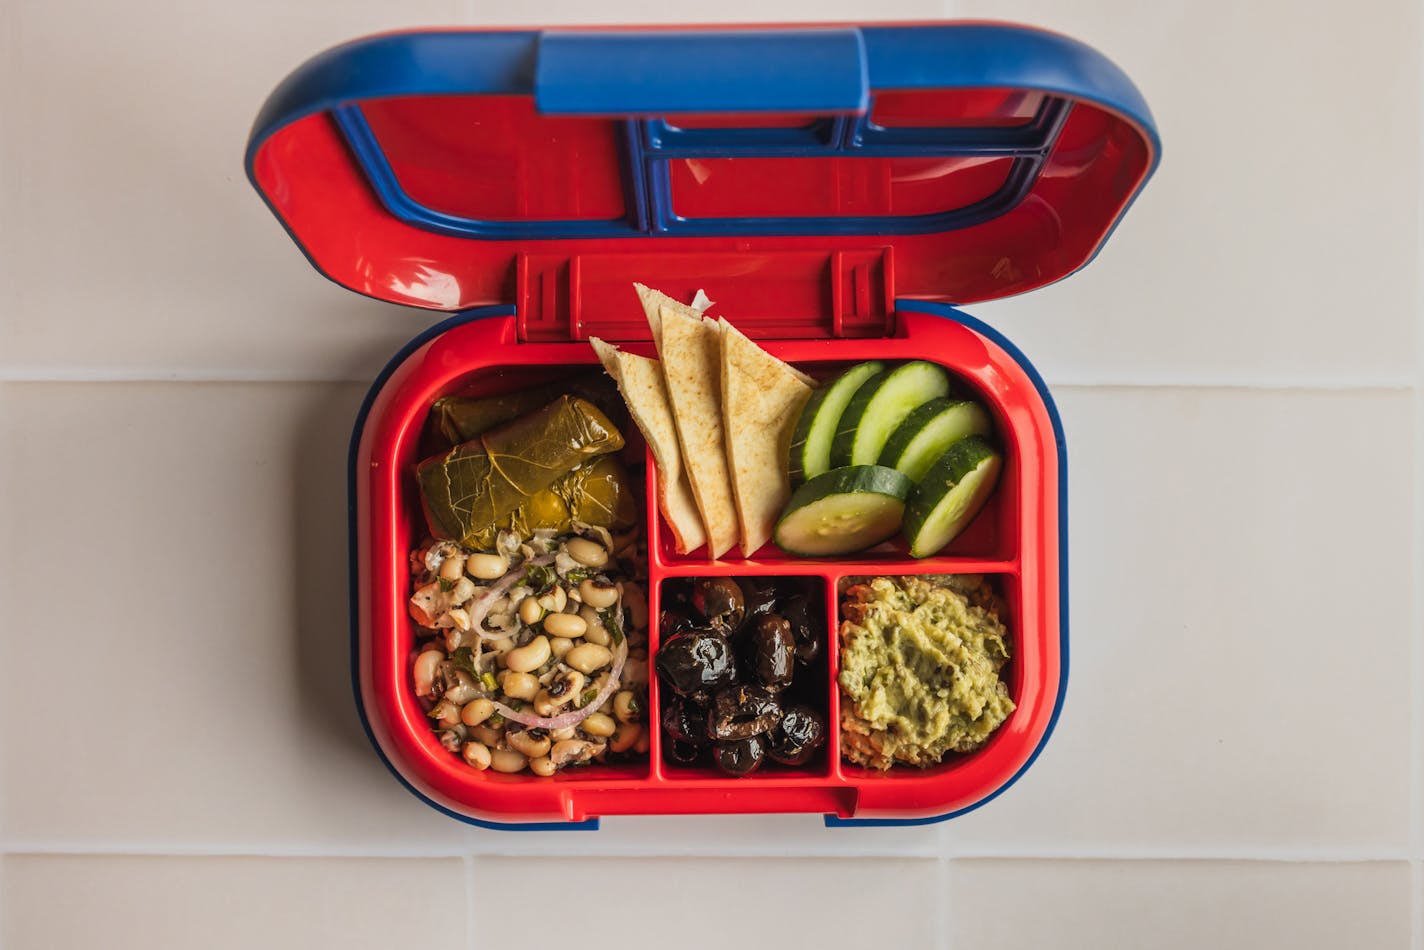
1015	541
422	168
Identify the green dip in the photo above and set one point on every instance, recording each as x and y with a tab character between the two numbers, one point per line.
919	670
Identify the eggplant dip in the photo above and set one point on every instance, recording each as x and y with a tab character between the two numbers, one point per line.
919	669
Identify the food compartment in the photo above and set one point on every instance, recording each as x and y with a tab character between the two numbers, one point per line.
1001	594
741	678
976	373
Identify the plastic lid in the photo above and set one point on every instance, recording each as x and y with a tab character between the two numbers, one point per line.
828	170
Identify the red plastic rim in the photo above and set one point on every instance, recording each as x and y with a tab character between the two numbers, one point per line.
1014	541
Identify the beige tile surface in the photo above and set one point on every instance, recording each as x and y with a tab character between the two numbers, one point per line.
1094	905
1240	630
1279	239
139	903
174	667
714	904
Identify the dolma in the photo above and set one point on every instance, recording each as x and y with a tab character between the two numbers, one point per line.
478	484
596	493
458	419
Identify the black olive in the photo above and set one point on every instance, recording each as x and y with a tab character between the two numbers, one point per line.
683	753
696	660
684	720
807	634
741	711
797	736
759	597
769	651
741	756
674	621
720	602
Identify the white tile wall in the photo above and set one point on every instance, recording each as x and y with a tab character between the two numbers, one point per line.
1241	759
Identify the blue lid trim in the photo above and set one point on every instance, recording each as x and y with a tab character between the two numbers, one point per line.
982	328
353	453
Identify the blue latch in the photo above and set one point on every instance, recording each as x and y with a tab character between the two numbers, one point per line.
658	72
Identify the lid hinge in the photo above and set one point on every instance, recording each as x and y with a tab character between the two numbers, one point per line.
791	294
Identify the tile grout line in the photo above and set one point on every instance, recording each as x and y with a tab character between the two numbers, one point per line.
1416	666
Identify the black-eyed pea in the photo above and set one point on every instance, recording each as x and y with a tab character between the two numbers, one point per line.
625	706
518	685
643	744
486	567
571	626
476	711
531	656
626	737
507	760
586	552
598	724
594	630
452	568
568	732
554	601
462	590
564	686
546	705
426	666
560	646
637	606
543	766
530	611
598	596
588	657
529	744
487	734
477	754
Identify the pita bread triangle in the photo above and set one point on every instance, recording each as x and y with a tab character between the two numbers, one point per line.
761	399
640	380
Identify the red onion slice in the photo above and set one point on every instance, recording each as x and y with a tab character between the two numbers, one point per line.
506	583
564	720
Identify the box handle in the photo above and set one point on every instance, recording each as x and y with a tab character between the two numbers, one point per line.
659	72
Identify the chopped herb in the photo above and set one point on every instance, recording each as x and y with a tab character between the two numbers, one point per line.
446	585
464	659
589	695
541	578
580	574
489	682
612	622
495	720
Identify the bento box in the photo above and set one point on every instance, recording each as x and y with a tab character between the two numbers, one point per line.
837	191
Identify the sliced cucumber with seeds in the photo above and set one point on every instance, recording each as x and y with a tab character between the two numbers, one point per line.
880	405
843	510
929	431
816	427
949	496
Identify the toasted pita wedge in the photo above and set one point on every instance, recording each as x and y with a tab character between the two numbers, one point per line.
691	351
761	398
654	300
640	380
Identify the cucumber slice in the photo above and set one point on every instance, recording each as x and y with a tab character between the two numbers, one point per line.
929	431
816	427
951	494
843	510
880	405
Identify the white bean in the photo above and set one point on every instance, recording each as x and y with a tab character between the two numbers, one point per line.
586	552
507	760
588	657
518	685
598	596
425	667
486	567
477	754
565	625
531	656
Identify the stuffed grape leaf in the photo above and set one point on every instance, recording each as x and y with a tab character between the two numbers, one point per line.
478	484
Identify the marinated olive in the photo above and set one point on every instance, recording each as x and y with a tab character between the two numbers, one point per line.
683	753
741	711
695	660
741	756
685	720
674	621
797	736
769	651
797	611
759	598
720	602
